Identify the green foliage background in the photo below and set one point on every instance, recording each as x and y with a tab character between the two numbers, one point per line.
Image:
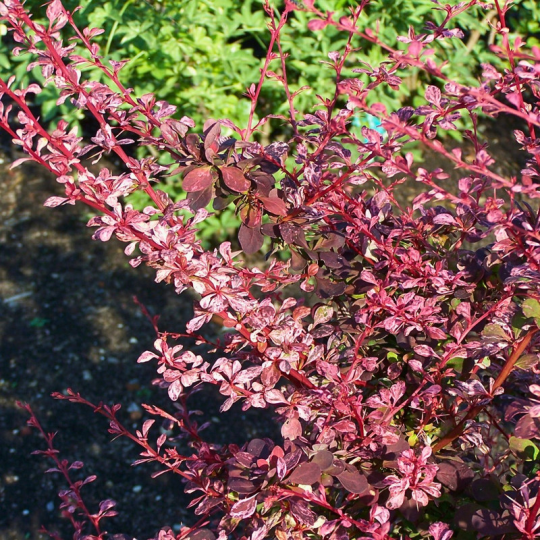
202	55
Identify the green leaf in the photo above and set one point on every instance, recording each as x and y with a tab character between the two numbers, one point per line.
495	330
456	363
4	61
527	361
531	308
524	448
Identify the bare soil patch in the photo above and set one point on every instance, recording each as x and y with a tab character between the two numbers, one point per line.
68	320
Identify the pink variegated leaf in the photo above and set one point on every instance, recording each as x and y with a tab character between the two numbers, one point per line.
146	427
175	389
146	357
291	429
244	508
19	161
302	513
54	10
53	202
433	95
440	531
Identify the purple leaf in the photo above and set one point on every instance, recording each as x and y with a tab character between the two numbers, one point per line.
198	179
206	505
200	199
528	428
306	473
444	219
251	240
472	517
251	216
484	489
353	481
455	475
258	448
234	179
192	144
289	232
274	205
327	288
324	459
241	485
212	130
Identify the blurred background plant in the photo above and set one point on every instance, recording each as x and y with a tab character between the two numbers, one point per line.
202	56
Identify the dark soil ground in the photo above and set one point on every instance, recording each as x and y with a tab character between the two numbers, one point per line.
68	320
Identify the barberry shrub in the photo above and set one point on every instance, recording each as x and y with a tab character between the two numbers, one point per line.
396	344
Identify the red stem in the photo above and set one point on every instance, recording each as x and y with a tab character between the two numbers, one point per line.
503	375
246	134
533	513
62	466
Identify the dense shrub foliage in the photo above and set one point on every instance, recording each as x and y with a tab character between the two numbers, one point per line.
201	56
396	345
